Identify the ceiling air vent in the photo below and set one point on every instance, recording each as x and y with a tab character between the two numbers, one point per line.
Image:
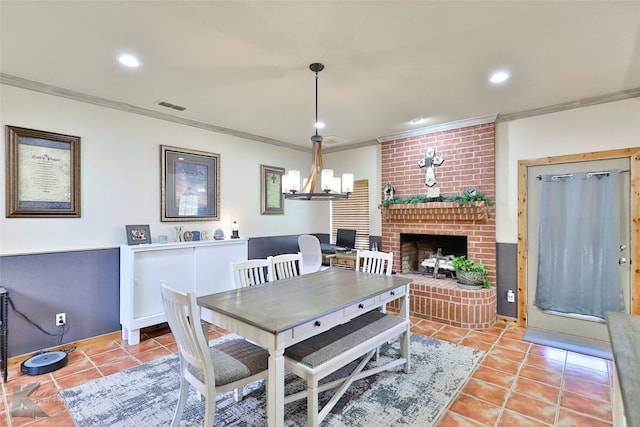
172	106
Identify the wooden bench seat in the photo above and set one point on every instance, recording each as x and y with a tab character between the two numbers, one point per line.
323	354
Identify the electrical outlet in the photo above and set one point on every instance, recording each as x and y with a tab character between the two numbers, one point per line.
61	319
511	296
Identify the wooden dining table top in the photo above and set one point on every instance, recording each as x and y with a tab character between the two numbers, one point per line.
277	306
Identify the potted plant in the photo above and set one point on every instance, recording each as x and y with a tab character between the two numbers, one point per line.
470	274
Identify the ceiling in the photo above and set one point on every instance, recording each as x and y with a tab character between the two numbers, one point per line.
243	67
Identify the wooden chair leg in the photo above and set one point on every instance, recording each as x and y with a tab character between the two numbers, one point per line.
238	394
182	399
404	351
210	411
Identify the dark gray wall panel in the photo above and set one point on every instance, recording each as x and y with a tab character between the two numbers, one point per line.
507	278
85	285
262	247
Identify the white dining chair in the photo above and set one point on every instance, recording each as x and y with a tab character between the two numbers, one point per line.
285	266
311	253
251	272
374	262
228	366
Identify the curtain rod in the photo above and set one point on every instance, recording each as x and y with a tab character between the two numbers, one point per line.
589	174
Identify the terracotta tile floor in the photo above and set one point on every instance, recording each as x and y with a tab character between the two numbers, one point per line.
515	384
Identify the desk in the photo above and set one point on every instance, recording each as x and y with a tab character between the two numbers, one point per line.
279	314
341	259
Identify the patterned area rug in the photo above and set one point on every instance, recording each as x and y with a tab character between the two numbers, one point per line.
147	394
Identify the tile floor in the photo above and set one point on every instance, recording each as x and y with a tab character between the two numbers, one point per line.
515	384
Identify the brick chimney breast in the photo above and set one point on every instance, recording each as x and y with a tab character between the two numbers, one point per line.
470	162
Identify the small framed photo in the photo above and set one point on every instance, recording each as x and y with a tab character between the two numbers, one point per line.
138	234
271	198
43	174
190	185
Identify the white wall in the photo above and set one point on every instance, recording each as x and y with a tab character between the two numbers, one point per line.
600	127
120	177
364	163
120	164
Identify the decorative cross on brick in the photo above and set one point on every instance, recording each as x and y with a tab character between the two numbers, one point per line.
430	161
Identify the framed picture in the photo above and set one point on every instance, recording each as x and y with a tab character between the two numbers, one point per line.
138	234
271	198
43	174
190	185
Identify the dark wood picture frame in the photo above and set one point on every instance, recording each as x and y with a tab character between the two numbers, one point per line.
138	234
190	187
271	198
42	174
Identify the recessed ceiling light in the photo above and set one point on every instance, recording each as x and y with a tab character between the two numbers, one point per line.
499	77
129	60
418	121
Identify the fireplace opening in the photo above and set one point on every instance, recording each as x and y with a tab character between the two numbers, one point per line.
416	248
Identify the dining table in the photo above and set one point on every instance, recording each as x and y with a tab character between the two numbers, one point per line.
278	314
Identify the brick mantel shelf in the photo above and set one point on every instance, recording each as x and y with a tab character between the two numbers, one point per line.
435	211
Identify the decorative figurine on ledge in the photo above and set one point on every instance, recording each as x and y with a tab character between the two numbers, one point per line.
234	230
389	191
218	234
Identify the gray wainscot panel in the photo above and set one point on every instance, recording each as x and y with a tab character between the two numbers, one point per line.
507	278
83	284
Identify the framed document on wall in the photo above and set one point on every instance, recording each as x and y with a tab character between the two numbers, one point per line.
190	185
43	174
271	200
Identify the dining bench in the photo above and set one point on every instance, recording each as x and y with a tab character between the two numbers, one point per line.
321	355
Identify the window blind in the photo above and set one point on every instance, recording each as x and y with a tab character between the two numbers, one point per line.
353	214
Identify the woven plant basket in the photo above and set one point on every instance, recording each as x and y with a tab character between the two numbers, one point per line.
469	277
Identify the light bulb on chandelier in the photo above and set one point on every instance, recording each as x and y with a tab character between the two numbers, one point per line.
332	187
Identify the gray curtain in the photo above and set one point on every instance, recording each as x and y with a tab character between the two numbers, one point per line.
579	240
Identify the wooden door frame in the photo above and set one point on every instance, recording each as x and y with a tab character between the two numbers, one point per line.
633	154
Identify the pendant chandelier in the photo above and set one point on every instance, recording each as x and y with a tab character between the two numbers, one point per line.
332	187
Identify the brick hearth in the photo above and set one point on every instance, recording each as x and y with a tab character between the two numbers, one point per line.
441	300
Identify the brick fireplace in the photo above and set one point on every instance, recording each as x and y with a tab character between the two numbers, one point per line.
469	161
415	248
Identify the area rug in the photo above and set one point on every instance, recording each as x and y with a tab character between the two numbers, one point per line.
573	343
147	394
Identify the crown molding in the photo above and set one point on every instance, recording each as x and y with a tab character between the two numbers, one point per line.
584	102
490	118
349	146
11	80
134	109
